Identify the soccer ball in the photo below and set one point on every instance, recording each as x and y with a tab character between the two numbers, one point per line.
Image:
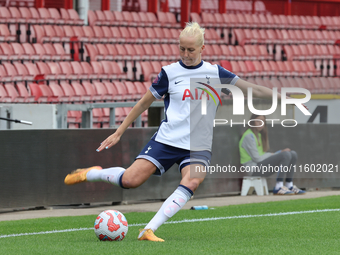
111	225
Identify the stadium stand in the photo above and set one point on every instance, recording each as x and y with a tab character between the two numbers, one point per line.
118	54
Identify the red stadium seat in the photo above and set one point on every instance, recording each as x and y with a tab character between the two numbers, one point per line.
136	19
92	19
121	91
116	34
22	71
167	52
13	94
60	51
102	36
35	91
104	53
108	70
46	16
12	72
105	35
147	71
219	19
102	91
20	52
55	15
110	18
125	34
163	19
153	21
98	70
112	90
72	15
208	20
92	53
148	51
56	70
67	70
68	31
79	32
32	70
5	16
3	74
89	33
80	91
4	97
100	19
117	70
7	52
131	90
38	34
36	52
69	91
226	65
250	68
119	18
59	93
91	90
235	68
47	95
144	19
140	88
89	70
5	34
127	17
23	92
78	69
44	69
47	51
51	34
36	16
29	17
143	35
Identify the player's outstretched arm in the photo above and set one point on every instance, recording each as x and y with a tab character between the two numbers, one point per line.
258	91
137	110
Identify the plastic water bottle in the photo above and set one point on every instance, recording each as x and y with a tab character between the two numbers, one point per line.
199	207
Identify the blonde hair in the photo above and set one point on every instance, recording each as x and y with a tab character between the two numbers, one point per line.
194	29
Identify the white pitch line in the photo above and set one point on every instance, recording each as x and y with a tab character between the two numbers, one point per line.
180	221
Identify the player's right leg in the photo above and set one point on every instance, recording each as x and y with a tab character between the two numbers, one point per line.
132	177
79	175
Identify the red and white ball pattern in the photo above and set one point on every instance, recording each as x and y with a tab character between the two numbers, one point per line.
111	225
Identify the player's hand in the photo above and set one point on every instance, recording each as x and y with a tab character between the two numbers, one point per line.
109	142
287	149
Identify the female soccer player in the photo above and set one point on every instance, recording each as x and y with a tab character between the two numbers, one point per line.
171	143
254	146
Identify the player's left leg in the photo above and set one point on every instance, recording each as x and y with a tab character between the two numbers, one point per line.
174	202
289	177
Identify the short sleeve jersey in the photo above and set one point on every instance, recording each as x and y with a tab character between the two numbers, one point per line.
184	126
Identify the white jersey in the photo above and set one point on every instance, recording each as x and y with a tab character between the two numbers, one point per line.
182	86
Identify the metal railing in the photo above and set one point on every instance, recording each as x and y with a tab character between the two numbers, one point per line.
87	117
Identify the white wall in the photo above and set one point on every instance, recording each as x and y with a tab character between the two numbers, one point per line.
43	116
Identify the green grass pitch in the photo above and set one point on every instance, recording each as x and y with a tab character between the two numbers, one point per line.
264	228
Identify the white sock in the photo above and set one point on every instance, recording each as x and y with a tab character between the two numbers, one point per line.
289	184
110	175
278	185
169	208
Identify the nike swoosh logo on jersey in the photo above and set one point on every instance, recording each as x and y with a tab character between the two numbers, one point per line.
176	82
